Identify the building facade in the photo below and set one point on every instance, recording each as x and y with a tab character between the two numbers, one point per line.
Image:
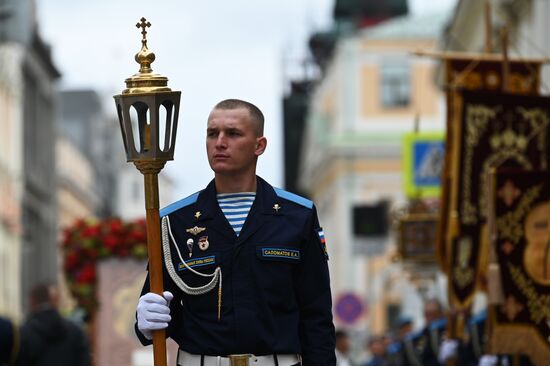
27	170
373	93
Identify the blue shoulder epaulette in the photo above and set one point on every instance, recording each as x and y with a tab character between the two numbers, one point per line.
439	323
394	348
179	204
412	336
479	317
293	197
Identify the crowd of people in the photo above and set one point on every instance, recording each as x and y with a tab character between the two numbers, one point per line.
428	346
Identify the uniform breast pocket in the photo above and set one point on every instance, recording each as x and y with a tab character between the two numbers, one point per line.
275	266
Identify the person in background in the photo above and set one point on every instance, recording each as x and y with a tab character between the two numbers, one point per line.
421	348
472	352
377	350
47	339
403	327
342	348
9	342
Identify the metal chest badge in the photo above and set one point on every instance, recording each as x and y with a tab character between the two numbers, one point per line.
203	243
195	230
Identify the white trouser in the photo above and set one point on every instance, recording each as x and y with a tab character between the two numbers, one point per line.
187	359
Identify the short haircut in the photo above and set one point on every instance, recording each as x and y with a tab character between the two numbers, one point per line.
40	294
256	115
339	334
434	301
375	338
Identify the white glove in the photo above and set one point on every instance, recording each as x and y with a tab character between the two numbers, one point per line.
488	360
447	350
153	312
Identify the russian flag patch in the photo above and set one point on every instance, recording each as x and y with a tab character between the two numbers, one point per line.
323	241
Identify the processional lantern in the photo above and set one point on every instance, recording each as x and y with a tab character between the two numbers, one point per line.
148	115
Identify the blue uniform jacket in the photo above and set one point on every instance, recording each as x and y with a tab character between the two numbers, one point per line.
275	295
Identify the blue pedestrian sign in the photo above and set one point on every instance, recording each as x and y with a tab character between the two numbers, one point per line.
423	158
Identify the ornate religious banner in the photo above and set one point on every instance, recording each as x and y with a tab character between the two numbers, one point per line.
521	243
483	73
492	130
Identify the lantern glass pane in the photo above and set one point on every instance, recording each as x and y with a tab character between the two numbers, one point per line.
141	128
162	127
168	121
121	123
134	120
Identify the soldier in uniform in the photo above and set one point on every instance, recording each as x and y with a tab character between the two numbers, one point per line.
403	328
471	352
9	341
422	347
245	264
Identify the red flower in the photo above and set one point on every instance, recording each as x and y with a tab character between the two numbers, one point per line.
91	231
71	260
139	236
123	252
110	242
115	226
87	274
84	243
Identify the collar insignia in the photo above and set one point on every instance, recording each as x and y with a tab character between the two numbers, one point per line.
195	230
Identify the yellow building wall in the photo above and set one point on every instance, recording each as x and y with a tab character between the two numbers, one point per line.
424	95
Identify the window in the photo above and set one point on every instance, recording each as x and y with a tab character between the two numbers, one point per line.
396	84
371	220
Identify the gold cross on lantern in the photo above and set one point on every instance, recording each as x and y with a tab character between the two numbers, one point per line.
143	23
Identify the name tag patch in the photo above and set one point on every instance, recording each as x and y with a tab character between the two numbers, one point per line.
279	253
197	262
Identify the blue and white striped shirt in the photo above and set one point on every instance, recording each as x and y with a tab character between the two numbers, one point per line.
235	207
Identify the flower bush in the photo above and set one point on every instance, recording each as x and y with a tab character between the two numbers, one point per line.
88	241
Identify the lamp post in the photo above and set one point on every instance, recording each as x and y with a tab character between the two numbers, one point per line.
149	142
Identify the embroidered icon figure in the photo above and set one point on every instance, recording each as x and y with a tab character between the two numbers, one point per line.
276	207
203	243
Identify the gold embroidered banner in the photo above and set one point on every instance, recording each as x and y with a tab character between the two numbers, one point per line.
521	242
482	73
491	130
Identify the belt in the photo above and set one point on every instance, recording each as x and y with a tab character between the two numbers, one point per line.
188	359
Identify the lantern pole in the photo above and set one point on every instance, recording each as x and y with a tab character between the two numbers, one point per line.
150	173
145	94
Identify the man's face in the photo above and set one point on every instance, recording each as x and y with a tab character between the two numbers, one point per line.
432	312
342	345
232	143
377	347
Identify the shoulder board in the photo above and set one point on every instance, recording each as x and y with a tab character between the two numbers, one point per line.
394	348
293	197
439	323
479	317
179	204
414	335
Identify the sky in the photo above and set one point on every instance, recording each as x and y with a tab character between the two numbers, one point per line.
210	50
